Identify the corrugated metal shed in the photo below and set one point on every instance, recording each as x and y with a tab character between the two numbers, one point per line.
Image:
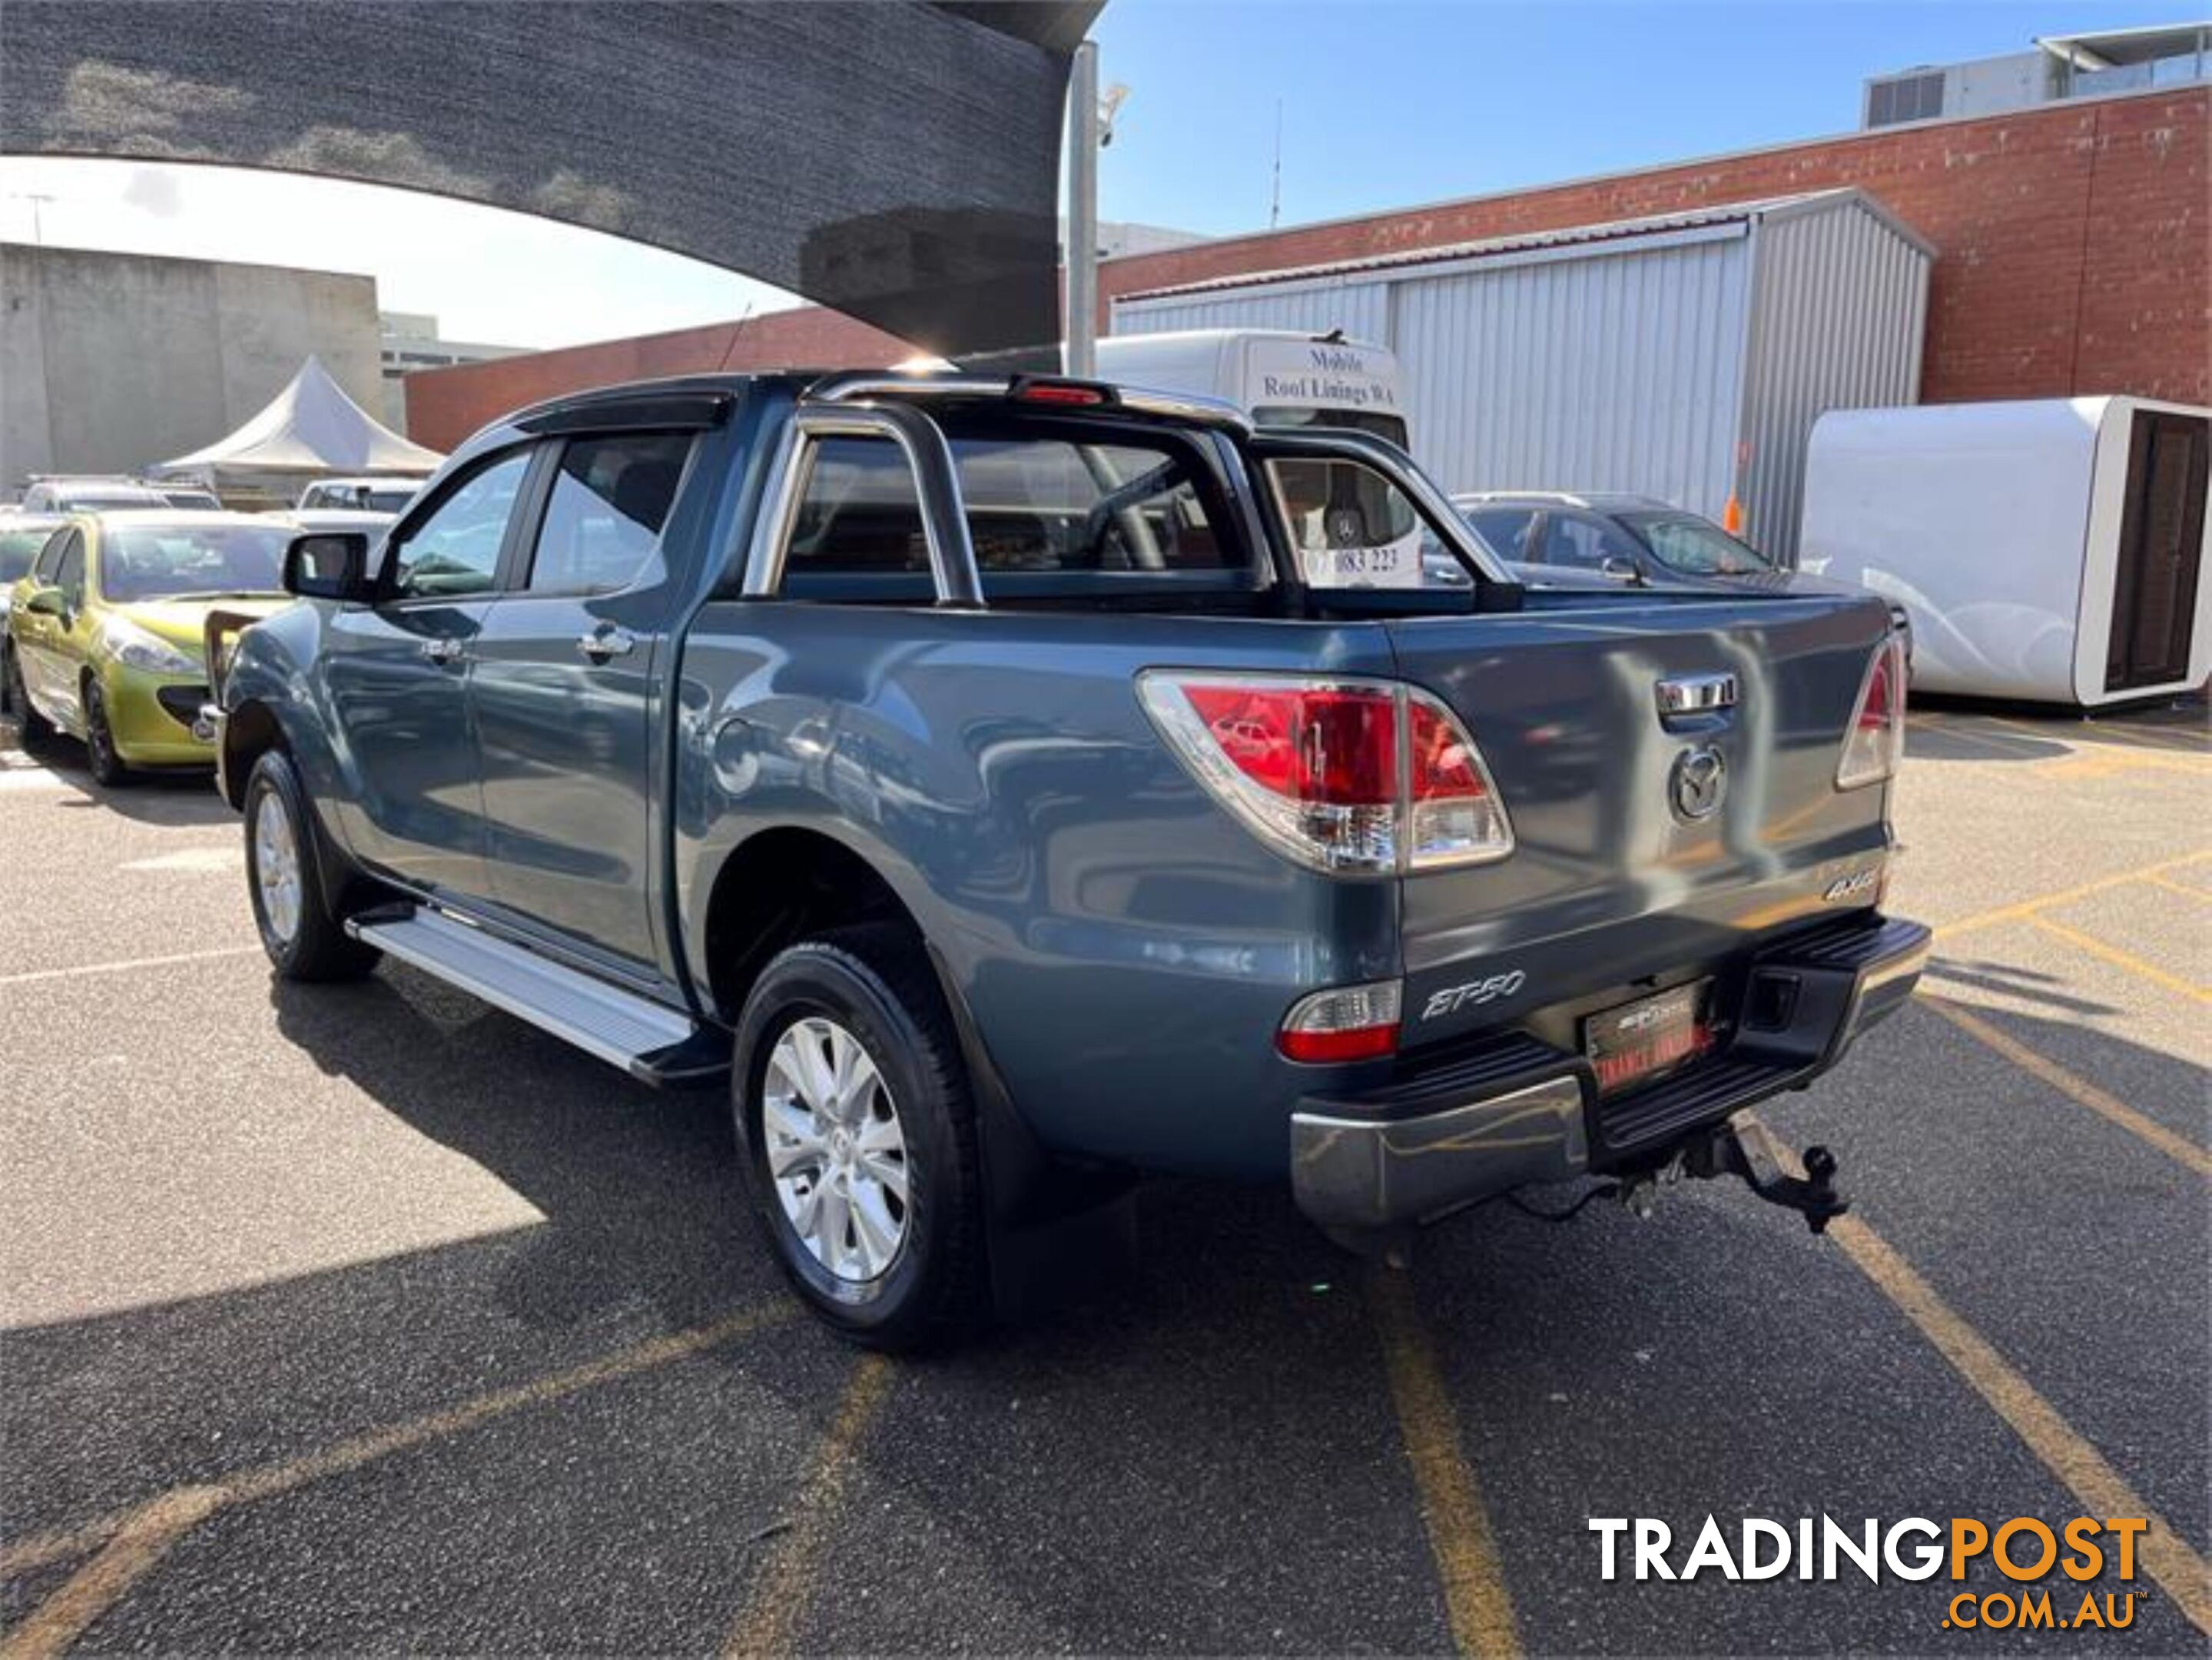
1683	356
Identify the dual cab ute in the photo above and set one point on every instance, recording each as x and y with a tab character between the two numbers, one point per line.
967	771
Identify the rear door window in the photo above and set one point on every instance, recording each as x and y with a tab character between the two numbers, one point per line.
610	498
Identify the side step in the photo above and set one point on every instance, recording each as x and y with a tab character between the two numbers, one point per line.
651	1041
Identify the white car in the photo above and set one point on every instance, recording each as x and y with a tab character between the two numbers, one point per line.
384	495
90	495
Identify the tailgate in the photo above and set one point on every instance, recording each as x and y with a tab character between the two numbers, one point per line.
1648	844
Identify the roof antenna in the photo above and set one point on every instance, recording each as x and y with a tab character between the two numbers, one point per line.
1275	201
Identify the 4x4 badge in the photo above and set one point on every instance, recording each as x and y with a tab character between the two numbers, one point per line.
1698	783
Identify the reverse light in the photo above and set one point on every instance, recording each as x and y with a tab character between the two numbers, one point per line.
1345	1023
1876	742
1350	777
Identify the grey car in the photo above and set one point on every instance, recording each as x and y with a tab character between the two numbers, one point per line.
1565	539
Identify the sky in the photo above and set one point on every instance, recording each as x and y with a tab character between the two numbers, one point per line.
1383	104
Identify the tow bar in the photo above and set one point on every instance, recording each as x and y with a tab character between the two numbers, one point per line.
1745	1147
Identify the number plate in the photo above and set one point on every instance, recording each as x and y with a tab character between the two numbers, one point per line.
1635	1041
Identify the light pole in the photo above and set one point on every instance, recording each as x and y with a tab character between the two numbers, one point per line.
1082	349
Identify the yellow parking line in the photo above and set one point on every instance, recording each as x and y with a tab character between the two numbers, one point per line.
2173	887
125	964
2178	1571
786	1582
2176	736
2078	1090
2025	909
143	1537
2123	959
1460	1536
268	1481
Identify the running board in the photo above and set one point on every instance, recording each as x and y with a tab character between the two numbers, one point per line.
651	1041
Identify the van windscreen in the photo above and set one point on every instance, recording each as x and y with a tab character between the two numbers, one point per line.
1391	427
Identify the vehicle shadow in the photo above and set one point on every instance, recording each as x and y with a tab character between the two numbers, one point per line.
181	798
2010	981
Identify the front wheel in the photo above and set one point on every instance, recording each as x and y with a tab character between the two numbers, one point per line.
109	770
856	1132
284	875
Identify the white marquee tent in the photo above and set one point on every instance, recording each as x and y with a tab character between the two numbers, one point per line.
310	426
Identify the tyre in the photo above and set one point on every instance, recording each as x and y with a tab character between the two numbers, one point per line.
856	1136
284	875
33	727
109	770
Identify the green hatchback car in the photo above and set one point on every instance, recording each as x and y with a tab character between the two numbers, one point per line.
104	636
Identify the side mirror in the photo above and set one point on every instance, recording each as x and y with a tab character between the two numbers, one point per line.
1620	570
47	602
328	565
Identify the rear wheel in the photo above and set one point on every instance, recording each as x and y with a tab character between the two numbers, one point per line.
284	875
34	726
108	767
857	1135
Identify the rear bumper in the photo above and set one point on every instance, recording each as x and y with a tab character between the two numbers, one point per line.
1518	1110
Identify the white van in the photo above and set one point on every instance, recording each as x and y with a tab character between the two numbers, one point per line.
1352	531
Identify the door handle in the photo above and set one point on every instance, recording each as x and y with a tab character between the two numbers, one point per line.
441	651
605	642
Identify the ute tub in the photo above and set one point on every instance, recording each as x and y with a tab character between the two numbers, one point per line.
1518	1110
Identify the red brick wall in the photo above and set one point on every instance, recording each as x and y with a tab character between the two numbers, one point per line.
2074	255
2072	241
444	406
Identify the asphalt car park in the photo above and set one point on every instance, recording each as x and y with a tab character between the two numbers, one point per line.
367	1317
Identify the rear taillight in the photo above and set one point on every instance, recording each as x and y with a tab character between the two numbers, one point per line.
1363	777
1346	1023
1876	742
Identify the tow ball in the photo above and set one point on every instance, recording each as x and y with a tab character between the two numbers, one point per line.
1745	1147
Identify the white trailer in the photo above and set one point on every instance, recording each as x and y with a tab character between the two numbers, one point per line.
2052	550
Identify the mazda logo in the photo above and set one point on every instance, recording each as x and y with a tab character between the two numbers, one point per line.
1698	783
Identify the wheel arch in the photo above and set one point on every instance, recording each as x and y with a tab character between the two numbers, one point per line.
788	883
249	731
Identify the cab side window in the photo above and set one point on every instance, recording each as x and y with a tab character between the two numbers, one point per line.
859	514
454	552
601	528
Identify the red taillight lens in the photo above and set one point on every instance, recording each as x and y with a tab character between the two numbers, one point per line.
1068	393
1444	762
1876	742
1316	768
1339	747
1345	1023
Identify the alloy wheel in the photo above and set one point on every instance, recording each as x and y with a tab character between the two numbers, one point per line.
276	865
835	1149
